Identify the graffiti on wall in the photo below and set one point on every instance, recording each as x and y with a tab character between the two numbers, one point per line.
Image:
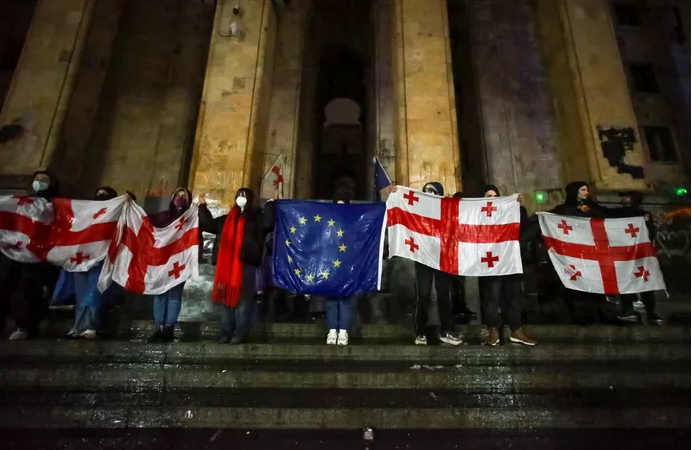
672	242
615	143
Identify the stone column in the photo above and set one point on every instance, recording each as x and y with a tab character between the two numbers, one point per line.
231	128
425	115
282	137
597	124
43	82
384	88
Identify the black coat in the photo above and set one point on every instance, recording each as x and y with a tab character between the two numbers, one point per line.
258	223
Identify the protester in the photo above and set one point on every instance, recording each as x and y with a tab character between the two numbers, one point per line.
578	202
89	299
237	254
460	309
425	276
631	202
502	293
167	306
339	310
33	282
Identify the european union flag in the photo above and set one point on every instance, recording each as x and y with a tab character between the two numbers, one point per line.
328	249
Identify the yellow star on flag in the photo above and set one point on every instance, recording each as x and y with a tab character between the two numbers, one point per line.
297	271
288	242
325	274
342	248
290	259
331	223
293	229
336	263
302	220
310	278
318	218
340	233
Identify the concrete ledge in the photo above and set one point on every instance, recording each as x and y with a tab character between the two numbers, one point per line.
480	379
213	353
341	418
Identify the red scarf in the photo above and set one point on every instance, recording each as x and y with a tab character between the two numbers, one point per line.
228	280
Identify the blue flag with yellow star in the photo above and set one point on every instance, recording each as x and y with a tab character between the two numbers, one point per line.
328	249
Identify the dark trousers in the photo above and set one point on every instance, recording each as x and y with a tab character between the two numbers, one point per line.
29	280
458	295
425	276
236	322
501	293
648	299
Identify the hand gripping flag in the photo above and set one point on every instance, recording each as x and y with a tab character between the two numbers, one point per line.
603	256
328	249
73	234
151	260
470	237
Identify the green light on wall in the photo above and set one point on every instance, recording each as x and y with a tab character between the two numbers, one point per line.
541	196
681	191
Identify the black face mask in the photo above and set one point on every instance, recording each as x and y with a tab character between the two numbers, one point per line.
102	197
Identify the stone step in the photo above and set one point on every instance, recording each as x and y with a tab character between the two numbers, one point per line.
189	331
341	439
478	379
547	417
296	350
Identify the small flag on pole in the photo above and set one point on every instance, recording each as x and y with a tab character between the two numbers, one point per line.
273	182
381	179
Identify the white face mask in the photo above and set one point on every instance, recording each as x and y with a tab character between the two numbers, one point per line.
39	186
241	202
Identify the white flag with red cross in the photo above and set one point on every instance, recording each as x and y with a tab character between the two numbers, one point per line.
273	182
469	237
603	256
25	226
72	234
150	260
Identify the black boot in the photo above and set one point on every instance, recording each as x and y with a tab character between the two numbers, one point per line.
157	337
167	334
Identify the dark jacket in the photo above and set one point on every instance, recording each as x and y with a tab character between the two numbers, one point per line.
580	208
258	223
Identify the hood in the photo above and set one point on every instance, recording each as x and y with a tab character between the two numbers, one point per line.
637	197
343	194
250	198
490	187
436	186
571	192
112	193
54	188
171	206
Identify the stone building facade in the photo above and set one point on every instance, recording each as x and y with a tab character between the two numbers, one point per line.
528	94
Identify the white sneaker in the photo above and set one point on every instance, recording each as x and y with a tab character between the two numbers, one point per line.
421	340
450	339
331	337
343	338
19	334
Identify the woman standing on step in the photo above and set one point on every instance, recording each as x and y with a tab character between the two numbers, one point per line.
339	310
167	306
237	255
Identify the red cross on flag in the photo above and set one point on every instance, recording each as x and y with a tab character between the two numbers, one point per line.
603	256
151	260
470	237
72	234
273	182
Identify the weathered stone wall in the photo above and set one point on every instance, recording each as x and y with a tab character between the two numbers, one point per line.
231	128
519	137
148	105
15	18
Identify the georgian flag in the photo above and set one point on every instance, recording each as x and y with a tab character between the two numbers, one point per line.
469	237
72	234
151	260
602	256
24	227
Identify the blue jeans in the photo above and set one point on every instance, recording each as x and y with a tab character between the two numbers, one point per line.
167	306
338	313
89	300
236	322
